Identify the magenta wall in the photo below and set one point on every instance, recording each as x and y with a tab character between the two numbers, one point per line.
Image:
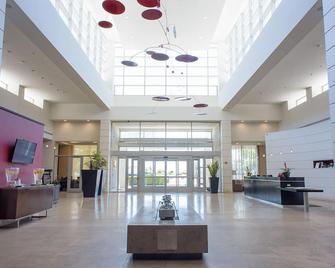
12	127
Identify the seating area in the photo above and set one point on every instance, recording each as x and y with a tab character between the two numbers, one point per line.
167	133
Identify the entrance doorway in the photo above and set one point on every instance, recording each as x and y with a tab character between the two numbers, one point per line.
166	175
163	174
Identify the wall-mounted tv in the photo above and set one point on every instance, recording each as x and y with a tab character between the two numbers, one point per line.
24	152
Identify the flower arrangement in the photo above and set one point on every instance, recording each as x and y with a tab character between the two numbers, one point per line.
286	172
248	171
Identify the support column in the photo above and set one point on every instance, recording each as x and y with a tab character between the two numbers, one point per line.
226	157
329	26
2	26
104	147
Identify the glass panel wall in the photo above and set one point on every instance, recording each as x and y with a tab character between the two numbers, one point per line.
166	136
247	28
244	158
84	28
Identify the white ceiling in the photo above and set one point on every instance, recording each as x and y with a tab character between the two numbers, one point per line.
304	66
196	22
25	64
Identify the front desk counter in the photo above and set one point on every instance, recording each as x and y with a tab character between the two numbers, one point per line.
269	189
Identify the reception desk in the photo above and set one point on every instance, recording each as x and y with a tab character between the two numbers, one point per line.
269	189
22	202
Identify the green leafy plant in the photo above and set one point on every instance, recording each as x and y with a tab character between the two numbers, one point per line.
213	168
97	161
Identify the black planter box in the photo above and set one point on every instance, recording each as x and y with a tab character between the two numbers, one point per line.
214	181
91	182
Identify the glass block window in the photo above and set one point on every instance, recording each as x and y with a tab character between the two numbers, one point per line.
174	78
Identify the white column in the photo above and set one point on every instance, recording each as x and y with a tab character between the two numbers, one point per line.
104	147
329	26
2	26
226	158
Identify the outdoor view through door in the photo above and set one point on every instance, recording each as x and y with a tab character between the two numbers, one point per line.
163	156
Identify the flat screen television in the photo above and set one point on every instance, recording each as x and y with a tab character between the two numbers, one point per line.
24	152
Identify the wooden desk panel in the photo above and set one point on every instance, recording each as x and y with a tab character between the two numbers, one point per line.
24	201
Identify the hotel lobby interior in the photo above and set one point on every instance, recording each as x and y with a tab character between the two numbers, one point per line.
167	133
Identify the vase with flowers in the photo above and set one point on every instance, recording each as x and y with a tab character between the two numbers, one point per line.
286	172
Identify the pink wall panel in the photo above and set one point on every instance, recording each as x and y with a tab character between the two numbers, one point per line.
14	127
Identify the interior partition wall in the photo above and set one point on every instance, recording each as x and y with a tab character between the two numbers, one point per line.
163	156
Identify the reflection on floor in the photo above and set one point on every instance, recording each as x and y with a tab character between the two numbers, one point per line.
242	233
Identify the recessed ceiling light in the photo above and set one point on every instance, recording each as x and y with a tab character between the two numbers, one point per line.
242	121
88	120
205	17
266	121
65	120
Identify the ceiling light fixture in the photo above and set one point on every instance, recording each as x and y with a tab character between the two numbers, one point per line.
183	98
149	3
158	52
105	24
160	98
113	6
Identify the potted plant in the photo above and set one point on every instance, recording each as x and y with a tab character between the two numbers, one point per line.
286	172
92	178
214	180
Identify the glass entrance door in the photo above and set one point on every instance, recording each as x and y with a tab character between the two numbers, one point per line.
165	174
132	174
201	173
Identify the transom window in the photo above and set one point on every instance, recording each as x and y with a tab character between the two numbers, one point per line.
170	77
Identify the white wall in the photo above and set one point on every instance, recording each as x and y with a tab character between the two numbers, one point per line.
314	110
17	104
73	111
269	48
54	38
307	144
77	131
252	132
2	25
329	26
48	154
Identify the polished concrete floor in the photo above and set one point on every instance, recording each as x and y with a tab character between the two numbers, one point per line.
242	233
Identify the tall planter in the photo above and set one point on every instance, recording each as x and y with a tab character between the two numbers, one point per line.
56	191
214	181
91	182
101	181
